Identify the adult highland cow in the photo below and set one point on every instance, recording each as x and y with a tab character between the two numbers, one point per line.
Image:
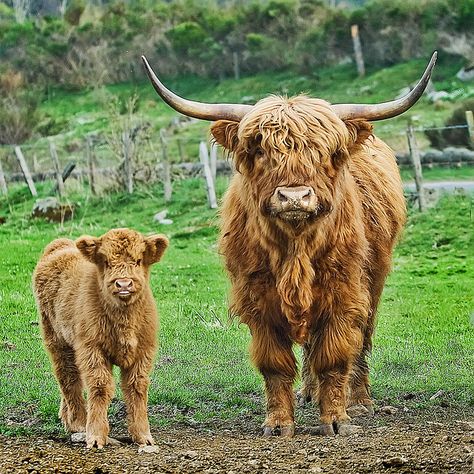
308	227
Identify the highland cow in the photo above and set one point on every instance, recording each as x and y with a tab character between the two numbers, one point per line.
97	310
308	227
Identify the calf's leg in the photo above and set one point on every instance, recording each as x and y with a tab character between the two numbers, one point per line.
97	373
72	411
135	382
271	352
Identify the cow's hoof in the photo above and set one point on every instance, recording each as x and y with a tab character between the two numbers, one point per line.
325	429
287	431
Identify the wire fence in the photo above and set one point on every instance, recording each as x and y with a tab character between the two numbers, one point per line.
130	158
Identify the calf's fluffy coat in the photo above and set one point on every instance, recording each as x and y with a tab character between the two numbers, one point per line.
97	310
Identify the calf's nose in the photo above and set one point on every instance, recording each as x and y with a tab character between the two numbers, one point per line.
295	194
124	283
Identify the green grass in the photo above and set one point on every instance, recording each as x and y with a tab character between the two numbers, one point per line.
424	339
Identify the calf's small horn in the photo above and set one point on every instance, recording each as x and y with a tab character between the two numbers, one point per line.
199	110
390	109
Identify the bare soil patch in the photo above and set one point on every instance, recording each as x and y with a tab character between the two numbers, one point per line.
434	440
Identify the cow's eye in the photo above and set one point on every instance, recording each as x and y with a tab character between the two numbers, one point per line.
258	152
138	262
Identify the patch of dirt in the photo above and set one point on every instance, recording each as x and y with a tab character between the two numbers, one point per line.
434	440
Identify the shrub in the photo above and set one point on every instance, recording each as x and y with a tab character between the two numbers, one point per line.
454	136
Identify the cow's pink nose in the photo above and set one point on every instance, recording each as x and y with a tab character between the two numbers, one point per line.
297	194
124	284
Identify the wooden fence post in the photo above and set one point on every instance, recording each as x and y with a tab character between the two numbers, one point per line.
127	155
358	50
3	183
91	163
57	171
415	158
470	126
25	171
166	167
211	192
180	150
213	156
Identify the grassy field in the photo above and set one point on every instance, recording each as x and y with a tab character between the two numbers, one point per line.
424	341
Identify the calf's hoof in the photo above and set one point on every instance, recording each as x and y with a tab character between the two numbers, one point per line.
143	439
287	431
95	441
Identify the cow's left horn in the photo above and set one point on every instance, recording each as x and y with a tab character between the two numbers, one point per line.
390	109
200	110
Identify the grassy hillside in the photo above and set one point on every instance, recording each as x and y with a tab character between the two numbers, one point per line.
424	341
89	111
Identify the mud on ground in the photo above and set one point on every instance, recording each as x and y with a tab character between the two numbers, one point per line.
434	440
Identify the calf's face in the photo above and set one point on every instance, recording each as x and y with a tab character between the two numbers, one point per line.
123	258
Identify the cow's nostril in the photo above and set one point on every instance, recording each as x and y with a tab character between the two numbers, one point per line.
282	197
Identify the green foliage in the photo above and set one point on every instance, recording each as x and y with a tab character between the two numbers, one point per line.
74	11
201	37
454	136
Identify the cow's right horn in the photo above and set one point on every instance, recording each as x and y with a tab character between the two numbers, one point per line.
200	110
390	109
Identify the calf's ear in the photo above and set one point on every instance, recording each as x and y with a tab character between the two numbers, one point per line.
88	246
155	248
225	133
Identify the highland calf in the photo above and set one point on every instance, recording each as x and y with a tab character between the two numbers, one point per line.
309	223
97	310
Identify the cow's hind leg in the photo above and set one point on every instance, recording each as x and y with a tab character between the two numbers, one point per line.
72	411
310	386
271	351
360	400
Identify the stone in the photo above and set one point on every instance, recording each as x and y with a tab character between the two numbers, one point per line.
50	208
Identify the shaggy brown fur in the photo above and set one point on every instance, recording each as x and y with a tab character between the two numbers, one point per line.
315	281
97	310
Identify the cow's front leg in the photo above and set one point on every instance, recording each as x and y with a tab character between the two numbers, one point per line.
272	354
333	355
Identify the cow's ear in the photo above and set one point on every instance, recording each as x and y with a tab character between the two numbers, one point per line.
225	133
359	131
155	248
89	247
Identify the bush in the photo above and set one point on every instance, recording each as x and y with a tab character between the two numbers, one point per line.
454	136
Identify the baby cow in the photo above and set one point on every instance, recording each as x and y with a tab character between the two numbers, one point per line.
97	310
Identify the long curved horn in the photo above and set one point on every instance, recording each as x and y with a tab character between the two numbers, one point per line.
200	110
390	109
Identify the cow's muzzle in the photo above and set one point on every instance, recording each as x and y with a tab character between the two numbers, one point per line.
294	203
124	287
